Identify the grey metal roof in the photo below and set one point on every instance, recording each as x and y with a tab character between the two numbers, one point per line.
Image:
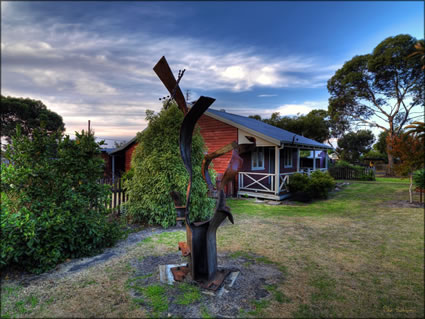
265	130
123	147
107	150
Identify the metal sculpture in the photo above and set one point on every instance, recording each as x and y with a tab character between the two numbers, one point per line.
201	246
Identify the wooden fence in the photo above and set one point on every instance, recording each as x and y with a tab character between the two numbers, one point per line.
364	173
118	197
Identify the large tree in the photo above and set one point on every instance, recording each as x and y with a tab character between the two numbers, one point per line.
384	89
314	125
157	170
354	144
29	114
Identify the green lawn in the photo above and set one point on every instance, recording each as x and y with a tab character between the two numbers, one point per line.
353	255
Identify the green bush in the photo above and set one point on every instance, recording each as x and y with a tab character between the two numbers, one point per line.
158	169
298	182
320	183
419	178
52	204
317	185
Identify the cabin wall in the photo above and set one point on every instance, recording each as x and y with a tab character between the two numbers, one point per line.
217	134
284	169
268	167
107	172
128	155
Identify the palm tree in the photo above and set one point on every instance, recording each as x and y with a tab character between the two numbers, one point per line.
420	50
416	128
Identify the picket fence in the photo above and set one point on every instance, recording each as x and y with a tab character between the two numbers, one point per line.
118	197
350	173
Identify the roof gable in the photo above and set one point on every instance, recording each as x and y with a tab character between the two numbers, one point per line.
269	132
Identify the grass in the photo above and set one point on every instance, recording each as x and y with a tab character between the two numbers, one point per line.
189	294
353	255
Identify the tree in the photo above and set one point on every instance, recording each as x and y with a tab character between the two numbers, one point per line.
381	144
314	125
420	50
53	206
352	145
383	89
410	151
159	170
118	144
29	114
417	129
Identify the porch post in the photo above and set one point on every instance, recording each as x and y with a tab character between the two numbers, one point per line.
298	159
113	168
277	170
326	159
314	159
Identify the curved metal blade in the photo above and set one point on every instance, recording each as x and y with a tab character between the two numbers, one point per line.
209	157
186	132
162	69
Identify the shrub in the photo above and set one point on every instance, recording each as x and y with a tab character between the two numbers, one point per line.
298	183
158	170
317	185
52	204
419	178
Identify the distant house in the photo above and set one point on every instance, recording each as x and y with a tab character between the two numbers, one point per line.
266	171
118	160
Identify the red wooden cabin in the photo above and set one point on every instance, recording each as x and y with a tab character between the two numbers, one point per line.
267	170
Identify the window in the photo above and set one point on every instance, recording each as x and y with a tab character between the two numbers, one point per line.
287	157
257	159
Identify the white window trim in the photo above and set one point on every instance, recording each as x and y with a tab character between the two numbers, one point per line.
258	168
289	151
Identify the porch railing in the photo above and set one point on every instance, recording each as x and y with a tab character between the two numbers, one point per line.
264	182
251	181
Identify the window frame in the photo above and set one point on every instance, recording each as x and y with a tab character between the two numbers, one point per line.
256	153
288	154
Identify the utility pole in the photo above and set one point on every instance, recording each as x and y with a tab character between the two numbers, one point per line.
89	127
187	95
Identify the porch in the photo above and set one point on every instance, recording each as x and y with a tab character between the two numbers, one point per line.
267	171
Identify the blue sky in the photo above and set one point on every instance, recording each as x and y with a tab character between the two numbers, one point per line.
93	60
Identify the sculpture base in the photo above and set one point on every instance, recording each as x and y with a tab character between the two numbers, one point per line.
171	273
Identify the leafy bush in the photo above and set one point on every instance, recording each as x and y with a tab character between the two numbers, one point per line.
344	164
419	178
298	182
317	185
158	170
52	204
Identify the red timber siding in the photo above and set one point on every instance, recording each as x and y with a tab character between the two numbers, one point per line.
217	134
128	155
108	164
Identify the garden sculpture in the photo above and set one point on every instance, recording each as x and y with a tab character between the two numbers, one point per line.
201	247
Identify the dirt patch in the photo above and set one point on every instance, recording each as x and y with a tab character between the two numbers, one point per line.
403	204
254	288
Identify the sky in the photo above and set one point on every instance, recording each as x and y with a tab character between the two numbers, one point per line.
93	60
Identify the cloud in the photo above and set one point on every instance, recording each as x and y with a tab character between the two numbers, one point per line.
266	95
82	71
300	108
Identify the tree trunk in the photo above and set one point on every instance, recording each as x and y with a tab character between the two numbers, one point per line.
410	188
390	171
